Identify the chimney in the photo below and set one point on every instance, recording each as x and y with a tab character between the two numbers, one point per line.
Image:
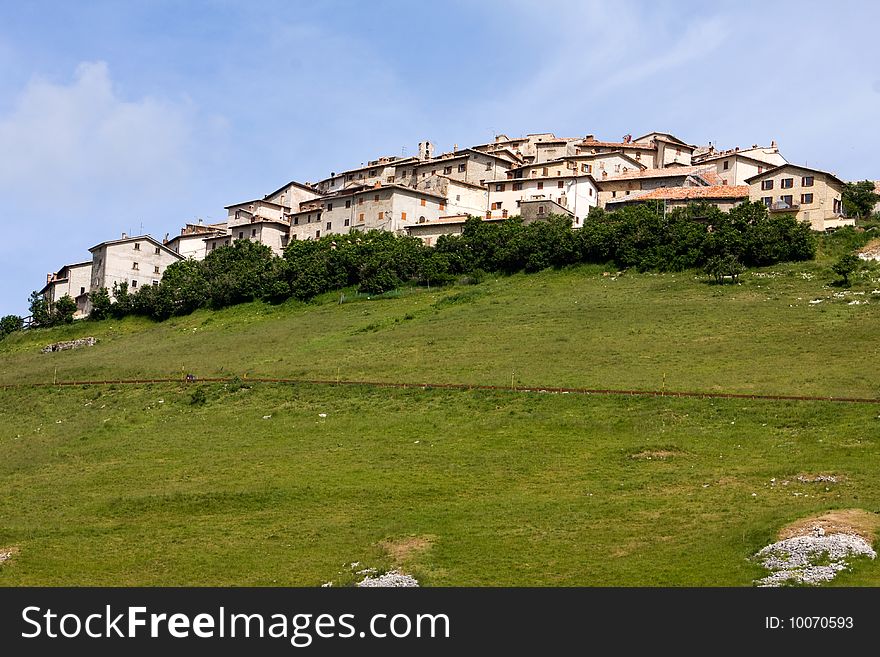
426	150
590	138
773	143
49	277
125	236
454	148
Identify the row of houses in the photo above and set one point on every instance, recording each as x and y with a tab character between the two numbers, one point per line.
430	195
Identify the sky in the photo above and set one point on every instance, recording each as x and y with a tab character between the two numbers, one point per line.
141	116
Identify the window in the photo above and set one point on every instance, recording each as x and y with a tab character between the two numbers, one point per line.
156	269
519	203
155	283
329	225
726	164
807	181
381	216
403	216
135	266
613	194
500	187
541	185
787	199
786	183
447	170
350	177
545	171
462	168
360	175
348	203
766	184
442	206
82	290
317	234
559	184
458	197
213	245
296	221
638	156
586	168
678	151
806	198
837	206
137	246
517	187
360	200
226	242
134	283
504	214
422	202
724	181
361	217
390	179
241	234
496	206
760	169
403	174
376	198
372	173
540	209
329	207
345	223
253	232
158	250
489	165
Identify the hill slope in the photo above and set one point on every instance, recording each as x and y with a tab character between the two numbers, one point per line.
282	484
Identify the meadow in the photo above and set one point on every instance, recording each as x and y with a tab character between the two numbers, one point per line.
248	484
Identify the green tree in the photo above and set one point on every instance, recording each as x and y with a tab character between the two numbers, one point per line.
122	305
63	310
844	267
859	198
100	300
10	324
39	309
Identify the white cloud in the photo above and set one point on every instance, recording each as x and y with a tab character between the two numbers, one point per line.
74	143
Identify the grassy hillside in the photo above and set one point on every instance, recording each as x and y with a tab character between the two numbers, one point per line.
282	484
569	328
140	486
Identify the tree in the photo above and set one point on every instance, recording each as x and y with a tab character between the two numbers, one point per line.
846	265
100	300
63	311
39	309
122	306
859	198
10	324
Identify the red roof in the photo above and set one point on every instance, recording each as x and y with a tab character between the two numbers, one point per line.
687	194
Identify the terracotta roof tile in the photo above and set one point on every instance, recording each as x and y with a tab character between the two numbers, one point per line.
687	193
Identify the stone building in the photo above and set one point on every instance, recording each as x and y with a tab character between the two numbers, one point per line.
71	280
814	196
137	261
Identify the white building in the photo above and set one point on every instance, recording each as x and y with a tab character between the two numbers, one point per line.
577	193
137	261
191	242
71	280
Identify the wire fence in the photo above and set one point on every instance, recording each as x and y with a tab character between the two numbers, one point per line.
191	379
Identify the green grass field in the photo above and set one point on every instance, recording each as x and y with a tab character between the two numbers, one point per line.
140	485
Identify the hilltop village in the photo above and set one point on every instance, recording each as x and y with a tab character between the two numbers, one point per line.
429	195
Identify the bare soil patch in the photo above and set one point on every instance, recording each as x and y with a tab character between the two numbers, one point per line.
7	553
840	521
654	454
404	549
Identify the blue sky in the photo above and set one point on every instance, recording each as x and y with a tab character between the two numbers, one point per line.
117	115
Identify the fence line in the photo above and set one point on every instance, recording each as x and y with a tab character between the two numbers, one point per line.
456	386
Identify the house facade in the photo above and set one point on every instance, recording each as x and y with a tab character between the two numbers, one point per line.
814	196
71	280
137	261
191	242
577	193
